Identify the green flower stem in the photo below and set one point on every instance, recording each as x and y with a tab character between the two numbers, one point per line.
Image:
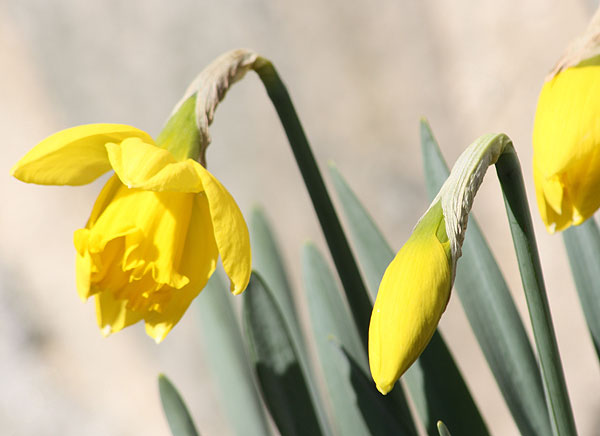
356	293
521	227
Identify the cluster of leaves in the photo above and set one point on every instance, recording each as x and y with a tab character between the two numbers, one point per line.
266	349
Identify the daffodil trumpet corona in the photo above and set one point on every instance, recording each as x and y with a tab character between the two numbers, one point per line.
566	135
162	220
415	287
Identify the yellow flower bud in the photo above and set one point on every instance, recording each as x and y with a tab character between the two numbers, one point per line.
415	288
412	296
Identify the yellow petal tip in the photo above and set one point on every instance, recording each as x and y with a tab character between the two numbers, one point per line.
106	330
158	332
236	290
384	389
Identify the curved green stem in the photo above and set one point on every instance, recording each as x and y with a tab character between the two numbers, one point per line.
521	227
346	266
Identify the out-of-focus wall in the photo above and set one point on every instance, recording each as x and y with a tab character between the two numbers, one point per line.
361	75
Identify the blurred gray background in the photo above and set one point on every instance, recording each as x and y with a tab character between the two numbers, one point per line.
361	75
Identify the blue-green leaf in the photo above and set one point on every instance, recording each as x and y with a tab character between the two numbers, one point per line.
328	309
178	416
267	259
226	357
374	407
276	363
333	328
583	248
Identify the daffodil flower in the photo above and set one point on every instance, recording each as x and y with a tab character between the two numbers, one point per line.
415	288
158	226
162	220
566	136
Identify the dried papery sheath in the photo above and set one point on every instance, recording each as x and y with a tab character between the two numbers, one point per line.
458	192
585	47
211	85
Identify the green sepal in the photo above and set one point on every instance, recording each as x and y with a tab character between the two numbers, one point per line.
180	135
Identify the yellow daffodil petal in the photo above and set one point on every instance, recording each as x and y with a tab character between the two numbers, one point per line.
155	249
145	255
146	166
98	266
412	296
552	199
74	156
83	263
130	255
112	314
231	232
566	146
198	263
106	195
149	167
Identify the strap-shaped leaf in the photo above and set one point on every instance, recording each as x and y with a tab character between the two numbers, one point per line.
373	406
358	409
328	310
268	261
178	416
227	360
492	313
434	382
439	391
276	363
583	248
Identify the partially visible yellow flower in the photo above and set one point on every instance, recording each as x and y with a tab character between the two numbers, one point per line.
412	296
566	135
566	146
158	226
